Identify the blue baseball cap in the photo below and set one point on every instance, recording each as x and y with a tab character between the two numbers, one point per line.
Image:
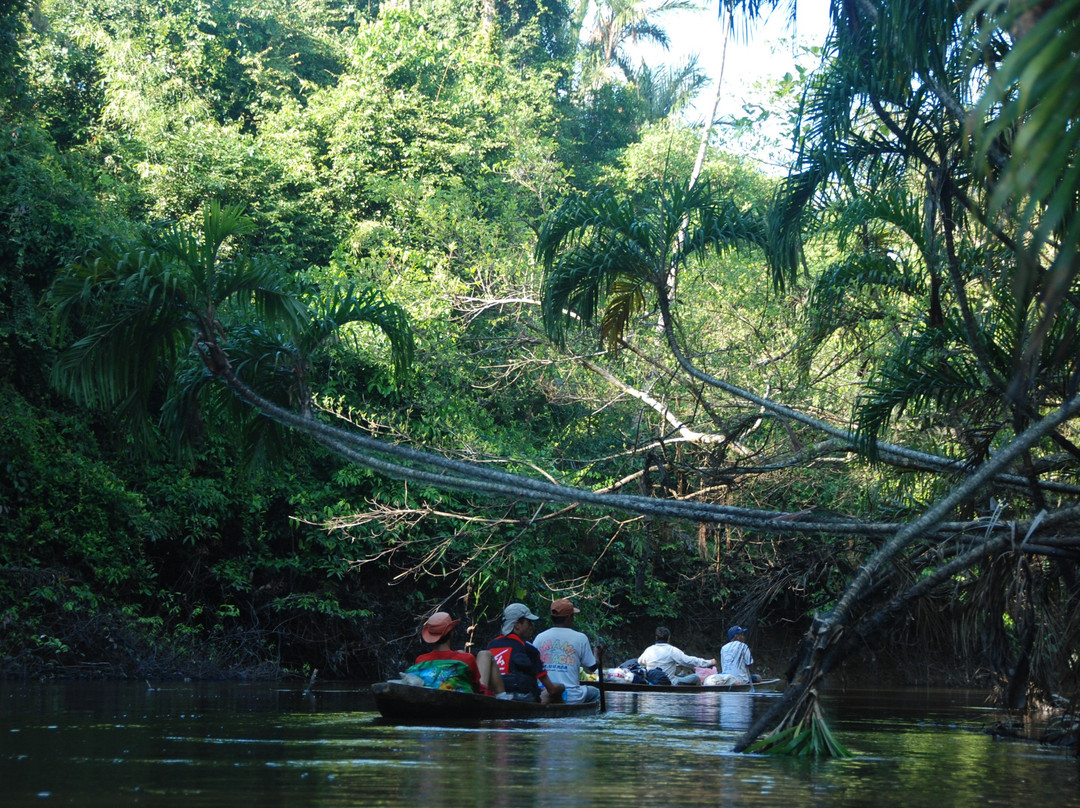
731	632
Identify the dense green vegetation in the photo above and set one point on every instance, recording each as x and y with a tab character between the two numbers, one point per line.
315	318
410	157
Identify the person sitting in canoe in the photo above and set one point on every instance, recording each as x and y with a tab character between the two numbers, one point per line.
662	654
565	651
446	669
517	659
736	659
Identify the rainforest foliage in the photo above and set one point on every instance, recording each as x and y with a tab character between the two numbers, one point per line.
315	317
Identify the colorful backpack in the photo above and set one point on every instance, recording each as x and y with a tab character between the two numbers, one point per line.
444	674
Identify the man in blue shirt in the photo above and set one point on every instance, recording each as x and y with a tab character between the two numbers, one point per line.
735	657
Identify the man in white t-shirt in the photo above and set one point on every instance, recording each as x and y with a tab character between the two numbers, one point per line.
565	651
662	654
735	657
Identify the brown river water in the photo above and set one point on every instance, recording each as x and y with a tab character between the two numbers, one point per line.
248	746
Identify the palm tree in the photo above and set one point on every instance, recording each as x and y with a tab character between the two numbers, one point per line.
133	309
604	256
888	130
143	321
668	90
608	259
616	24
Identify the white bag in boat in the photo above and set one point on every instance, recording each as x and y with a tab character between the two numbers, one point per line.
722	680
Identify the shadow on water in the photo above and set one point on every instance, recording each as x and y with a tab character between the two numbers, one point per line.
108	744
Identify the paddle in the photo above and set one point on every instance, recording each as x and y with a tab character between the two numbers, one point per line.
600	674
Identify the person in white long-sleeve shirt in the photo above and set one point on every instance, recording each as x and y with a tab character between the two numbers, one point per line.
669	659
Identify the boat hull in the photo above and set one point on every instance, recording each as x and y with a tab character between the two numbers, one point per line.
764	686
421	705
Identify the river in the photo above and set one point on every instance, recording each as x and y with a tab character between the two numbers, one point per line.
247	746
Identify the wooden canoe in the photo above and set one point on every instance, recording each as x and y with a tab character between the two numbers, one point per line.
764	686
422	705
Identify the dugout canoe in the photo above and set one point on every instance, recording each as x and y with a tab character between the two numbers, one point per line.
764	686
422	705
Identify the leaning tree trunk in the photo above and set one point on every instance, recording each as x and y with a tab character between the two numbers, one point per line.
821	649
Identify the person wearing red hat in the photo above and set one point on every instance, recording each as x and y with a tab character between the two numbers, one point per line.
447	669
565	651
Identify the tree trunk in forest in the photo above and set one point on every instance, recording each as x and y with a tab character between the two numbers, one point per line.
1016	696
487	20
699	160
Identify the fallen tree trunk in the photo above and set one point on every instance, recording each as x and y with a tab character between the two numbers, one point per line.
822	649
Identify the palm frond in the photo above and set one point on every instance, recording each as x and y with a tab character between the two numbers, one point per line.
669	89
889	205
182	414
223	223
787	219
259	286
624	303
929	372
807	735
1032	100
352	305
584	246
125	313
842	284
585	278
590	245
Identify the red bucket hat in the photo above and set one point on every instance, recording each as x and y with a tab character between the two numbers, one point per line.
438	626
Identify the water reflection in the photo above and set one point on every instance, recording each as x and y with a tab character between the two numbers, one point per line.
212	745
736	711
732	712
